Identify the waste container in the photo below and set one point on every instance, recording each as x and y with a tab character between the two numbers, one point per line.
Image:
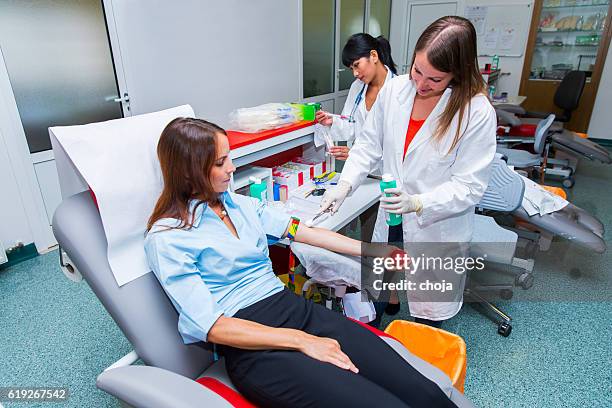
438	347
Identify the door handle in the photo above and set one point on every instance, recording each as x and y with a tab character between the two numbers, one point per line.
124	99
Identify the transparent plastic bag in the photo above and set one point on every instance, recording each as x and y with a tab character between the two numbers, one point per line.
264	117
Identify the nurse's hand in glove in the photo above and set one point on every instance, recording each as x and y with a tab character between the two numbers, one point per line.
335	196
400	202
323	118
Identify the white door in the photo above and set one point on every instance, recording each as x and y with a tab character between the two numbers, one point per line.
214	55
420	15
65	76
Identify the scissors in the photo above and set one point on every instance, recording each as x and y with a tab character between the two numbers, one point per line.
311	221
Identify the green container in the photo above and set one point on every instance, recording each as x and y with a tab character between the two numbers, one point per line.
495	62
389	182
258	188
308	110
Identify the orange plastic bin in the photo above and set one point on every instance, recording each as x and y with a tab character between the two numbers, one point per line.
436	346
555	190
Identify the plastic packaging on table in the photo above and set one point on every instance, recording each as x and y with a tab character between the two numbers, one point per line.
264	117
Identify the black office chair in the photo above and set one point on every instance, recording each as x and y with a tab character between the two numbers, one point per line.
566	98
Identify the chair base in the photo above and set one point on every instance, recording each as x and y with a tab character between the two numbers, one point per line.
503	320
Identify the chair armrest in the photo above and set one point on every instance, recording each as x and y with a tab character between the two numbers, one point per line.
152	387
508	107
539	115
506	117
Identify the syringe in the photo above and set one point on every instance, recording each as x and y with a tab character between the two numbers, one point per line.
343	117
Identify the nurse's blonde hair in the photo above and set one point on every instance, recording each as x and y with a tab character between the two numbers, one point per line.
450	45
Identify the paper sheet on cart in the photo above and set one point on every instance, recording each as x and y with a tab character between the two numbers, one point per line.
330	268
305	206
118	160
537	200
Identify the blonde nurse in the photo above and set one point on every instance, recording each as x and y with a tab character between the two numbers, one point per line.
434	130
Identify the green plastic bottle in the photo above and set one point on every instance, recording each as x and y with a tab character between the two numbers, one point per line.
258	188
389	182
495	62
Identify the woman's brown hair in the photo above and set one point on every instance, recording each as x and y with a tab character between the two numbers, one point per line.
450	44
187	150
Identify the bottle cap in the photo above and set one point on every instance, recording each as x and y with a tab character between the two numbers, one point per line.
387	177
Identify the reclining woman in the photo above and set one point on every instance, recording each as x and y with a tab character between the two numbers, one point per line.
209	249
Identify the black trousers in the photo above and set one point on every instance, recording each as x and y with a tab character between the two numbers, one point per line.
280	378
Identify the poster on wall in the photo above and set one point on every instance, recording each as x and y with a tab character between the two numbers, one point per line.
490	38
478	16
501	29
506	38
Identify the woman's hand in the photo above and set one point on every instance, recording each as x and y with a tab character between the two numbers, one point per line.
326	350
339	152
323	118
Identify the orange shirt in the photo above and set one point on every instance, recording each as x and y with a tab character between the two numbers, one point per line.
413	128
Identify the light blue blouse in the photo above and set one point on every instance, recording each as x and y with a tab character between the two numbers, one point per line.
208	272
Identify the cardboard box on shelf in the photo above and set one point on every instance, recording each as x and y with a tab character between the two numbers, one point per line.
303	168
290	178
316	167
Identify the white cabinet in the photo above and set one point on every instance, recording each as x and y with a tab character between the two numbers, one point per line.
48	181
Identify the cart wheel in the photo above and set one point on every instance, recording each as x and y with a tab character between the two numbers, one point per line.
506	294
524	280
575	273
504	329
568	182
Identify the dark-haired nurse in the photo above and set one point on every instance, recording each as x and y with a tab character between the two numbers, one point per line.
370	61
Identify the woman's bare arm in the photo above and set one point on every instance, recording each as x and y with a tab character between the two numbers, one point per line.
341	244
328	239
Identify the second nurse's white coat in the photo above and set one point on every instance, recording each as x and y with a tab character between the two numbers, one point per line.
344	130
449	184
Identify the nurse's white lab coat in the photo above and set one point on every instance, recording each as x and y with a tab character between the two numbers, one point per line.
448	185
342	129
